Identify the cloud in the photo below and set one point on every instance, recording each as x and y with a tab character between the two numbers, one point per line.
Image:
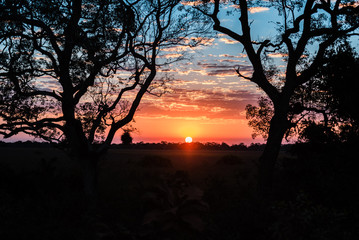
231	83
192	3
187	47
214	65
209	82
166	70
223	69
187	72
183	107
217	102
277	55
231	60
351	4
258	9
252	9
176	49
47	83
241	55
222	72
228	41
171	55
217	109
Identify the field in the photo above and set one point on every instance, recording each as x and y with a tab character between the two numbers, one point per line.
170	194
120	166
124	177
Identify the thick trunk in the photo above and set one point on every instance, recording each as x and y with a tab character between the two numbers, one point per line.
88	163
279	125
82	152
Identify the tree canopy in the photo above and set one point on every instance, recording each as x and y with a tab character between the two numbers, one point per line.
306	30
126	137
76	71
321	109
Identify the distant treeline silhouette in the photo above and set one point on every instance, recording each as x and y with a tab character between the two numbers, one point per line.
157	146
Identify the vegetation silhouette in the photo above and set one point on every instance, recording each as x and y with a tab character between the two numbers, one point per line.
192	191
315	193
305	24
61	68
322	110
126	137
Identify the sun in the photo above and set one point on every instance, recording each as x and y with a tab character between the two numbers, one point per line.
188	139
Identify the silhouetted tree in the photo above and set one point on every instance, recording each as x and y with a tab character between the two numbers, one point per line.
310	23
75	71
126	138
321	110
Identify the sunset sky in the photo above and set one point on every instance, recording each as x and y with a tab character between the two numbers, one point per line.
207	99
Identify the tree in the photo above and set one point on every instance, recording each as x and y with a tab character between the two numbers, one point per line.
126	138
321	110
305	24
75	71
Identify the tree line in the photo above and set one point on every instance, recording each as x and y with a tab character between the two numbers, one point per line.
156	146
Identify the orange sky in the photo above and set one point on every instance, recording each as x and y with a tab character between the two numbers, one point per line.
176	129
206	98
206	101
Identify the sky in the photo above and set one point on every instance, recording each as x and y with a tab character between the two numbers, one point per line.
207	99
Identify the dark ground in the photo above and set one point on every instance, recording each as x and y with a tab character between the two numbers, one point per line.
179	194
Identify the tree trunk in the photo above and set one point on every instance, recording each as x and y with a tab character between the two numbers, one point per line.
88	163
82	152
278	127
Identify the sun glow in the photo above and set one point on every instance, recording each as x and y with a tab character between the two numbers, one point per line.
188	139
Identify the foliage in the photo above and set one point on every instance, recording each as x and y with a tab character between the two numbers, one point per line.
259	117
337	78
317	133
66	68
321	110
126	138
307	29
74	72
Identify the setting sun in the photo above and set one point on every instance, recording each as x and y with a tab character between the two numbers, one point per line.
188	139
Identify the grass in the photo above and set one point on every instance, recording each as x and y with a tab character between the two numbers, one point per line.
46	185
173	194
